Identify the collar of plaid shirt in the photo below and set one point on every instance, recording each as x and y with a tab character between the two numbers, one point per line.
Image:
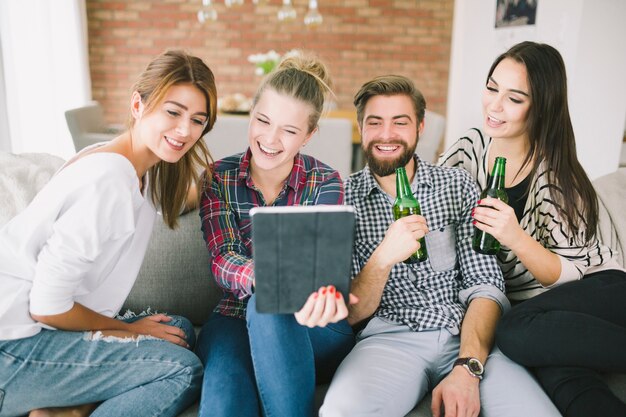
296	178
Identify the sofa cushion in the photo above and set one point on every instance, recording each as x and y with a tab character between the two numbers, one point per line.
611	190
175	277
421	410
21	178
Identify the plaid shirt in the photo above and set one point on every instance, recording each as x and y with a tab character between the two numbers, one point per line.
225	214
432	294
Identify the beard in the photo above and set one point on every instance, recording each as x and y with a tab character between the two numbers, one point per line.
382	168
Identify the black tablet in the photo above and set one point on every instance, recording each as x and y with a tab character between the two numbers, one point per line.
297	250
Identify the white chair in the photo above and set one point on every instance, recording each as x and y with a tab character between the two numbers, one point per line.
332	144
430	140
87	126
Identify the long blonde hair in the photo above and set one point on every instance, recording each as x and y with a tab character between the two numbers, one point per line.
171	182
303	77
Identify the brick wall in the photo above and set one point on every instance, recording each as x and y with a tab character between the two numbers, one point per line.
359	39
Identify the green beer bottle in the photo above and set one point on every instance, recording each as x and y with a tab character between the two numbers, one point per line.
483	242
405	205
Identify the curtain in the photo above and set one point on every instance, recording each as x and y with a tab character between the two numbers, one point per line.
5	143
45	66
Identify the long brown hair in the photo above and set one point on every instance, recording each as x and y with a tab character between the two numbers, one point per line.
170	182
303	77
551	136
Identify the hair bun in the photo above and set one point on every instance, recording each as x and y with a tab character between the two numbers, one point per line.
306	62
301	76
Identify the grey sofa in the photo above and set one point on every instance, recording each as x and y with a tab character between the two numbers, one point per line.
176	276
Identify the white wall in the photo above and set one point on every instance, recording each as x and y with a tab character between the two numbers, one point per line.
591	36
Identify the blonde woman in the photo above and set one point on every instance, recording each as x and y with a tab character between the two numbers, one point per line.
268	364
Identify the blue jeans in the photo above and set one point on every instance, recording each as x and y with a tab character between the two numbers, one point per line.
268	364
56	368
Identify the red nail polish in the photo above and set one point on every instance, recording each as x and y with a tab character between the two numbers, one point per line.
331	289
479	201
338	295
324	291
474	222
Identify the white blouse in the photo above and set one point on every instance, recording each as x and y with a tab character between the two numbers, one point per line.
82	239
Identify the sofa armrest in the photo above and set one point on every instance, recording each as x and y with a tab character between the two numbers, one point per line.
611	190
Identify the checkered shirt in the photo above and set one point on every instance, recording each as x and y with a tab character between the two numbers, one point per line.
432	294
225	207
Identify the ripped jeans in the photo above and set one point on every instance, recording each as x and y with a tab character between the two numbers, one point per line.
55	368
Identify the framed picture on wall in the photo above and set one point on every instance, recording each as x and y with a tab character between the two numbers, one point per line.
515	12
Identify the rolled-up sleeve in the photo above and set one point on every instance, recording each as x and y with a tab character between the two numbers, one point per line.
485	291
481	275
232	264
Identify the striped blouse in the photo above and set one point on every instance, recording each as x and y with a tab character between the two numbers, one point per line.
541	220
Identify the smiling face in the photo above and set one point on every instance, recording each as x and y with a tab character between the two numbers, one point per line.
278	130
389	133
174	125
506	101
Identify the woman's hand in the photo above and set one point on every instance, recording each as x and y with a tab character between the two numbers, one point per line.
327	305
152	326
498	219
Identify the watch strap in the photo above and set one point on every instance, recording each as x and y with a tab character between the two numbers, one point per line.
465	363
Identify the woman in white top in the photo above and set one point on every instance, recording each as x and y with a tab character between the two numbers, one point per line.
570	323
69	260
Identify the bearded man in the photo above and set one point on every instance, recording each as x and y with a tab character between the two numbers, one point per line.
428	325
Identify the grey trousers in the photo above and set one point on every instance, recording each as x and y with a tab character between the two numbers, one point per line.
391	369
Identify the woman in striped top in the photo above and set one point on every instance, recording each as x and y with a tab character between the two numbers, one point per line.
548	234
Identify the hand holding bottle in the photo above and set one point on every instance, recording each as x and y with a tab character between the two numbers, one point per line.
498	219
483	241
405	205
402	239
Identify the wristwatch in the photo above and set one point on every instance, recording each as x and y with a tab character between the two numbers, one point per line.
473	366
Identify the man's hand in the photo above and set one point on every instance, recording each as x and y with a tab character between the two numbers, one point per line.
323	307
459	393
401	239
